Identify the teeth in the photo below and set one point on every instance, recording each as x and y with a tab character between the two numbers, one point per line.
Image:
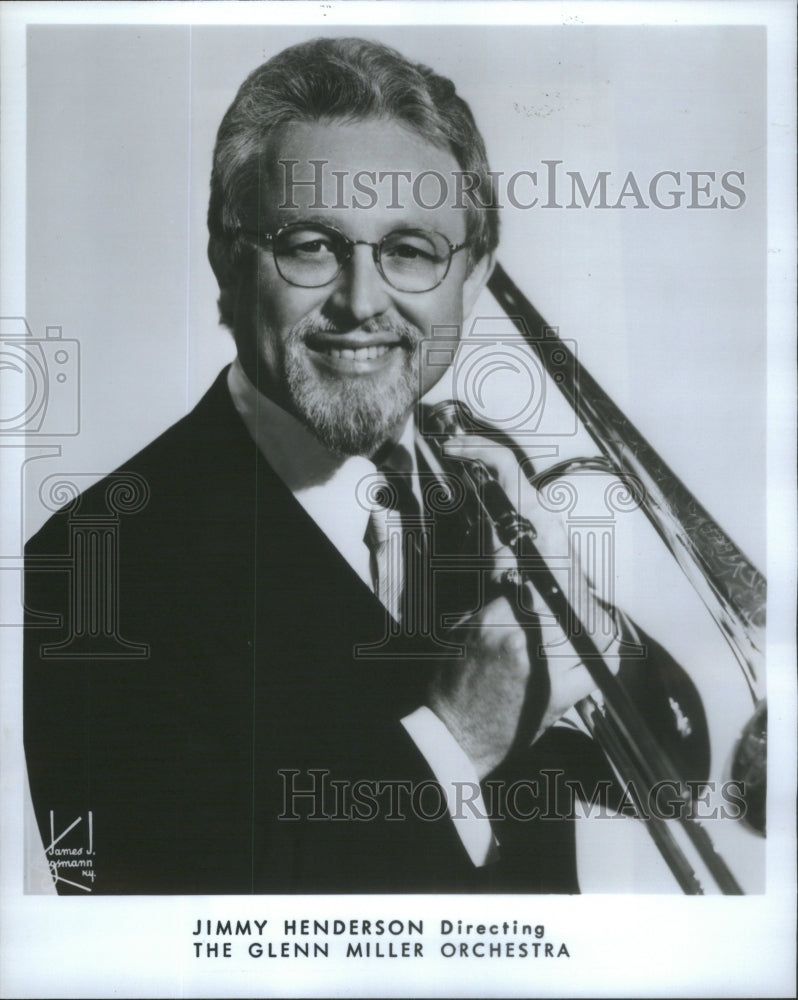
359	354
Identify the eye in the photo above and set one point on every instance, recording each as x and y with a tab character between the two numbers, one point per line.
414	247
306	243
408	251
312	248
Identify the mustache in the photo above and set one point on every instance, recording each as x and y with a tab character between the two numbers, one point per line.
405	333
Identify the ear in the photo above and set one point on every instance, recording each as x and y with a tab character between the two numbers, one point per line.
225	260
220	255
476	281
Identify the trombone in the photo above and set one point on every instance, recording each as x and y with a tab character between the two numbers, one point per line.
732	589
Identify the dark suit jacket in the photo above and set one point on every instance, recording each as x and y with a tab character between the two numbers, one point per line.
250	617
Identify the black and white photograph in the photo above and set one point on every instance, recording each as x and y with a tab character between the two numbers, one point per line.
399	530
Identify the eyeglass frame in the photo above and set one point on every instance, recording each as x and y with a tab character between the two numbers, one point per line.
259	234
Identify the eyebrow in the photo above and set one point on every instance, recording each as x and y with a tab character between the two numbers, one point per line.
312	218
315	219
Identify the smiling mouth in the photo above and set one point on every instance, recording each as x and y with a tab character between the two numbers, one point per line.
355	353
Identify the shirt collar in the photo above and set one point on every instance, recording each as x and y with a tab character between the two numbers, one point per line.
324	483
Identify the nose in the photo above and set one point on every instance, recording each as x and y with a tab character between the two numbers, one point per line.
361	291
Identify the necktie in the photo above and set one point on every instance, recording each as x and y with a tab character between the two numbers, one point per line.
393	536
385	562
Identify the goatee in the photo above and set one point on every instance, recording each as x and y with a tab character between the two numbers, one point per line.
352	414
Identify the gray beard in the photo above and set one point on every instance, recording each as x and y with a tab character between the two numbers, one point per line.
352	415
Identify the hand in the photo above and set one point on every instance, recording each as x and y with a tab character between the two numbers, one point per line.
481	697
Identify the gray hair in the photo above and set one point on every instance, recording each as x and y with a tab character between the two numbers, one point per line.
349	79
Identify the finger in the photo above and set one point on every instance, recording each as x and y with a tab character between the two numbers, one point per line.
496	611
568	686
505	564
499	460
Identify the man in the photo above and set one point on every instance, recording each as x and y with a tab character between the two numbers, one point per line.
292	726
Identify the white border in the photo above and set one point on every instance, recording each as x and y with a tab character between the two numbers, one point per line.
626	946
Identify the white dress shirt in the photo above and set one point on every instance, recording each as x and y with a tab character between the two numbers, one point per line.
325	485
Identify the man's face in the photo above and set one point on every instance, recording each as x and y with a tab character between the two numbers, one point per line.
345	357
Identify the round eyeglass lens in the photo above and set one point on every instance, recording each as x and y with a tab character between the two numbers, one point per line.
308	257
414	260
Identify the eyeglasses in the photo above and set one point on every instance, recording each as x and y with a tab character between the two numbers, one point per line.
311	256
